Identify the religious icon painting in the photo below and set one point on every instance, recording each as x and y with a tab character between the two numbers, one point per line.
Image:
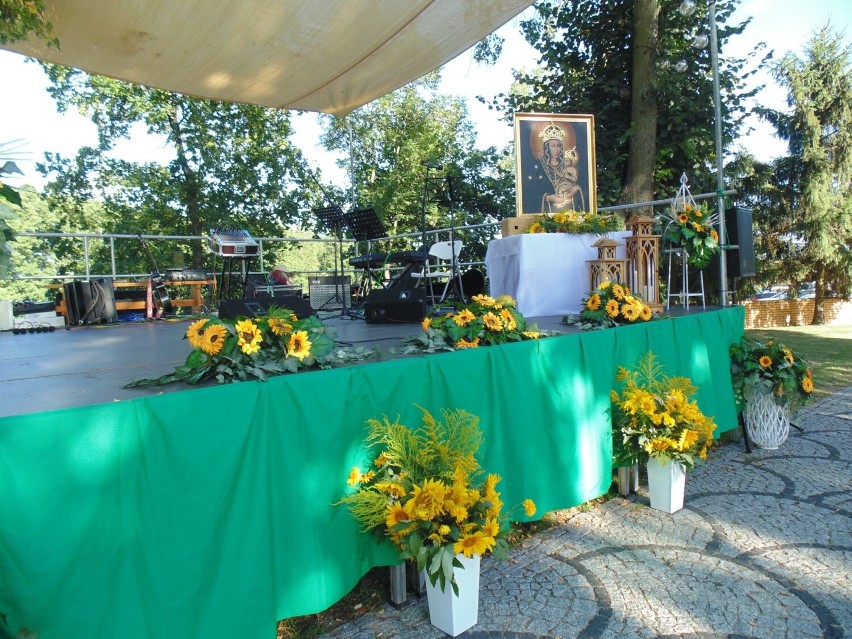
555	163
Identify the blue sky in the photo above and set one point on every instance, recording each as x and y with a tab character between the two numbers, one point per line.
26	111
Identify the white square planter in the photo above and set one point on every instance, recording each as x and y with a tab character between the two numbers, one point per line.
666	485
454	614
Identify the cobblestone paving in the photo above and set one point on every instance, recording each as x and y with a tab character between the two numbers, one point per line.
762	549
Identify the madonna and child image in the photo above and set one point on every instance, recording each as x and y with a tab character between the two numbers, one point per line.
555	160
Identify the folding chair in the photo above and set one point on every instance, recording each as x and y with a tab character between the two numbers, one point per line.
444	267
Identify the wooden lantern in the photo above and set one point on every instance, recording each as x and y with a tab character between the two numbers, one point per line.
607	268
643	257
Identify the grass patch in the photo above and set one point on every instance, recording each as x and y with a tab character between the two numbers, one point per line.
828	349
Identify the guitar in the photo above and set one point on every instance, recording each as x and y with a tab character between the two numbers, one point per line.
157	282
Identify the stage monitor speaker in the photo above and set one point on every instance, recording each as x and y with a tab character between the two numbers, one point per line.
90	302
327	293
395	305
233	309
738	224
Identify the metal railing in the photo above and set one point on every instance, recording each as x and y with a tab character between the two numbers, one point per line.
265	243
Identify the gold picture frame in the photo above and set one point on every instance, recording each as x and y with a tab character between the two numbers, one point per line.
555	163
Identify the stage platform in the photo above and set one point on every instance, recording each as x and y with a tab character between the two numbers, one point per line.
199	512
91	364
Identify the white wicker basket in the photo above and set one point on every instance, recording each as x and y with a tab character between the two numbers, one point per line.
767	423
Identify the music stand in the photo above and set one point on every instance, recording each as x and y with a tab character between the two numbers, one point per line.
332	218
365	224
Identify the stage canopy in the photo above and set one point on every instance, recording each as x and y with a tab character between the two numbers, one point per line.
317	55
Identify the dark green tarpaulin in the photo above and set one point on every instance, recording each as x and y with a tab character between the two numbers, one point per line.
206	513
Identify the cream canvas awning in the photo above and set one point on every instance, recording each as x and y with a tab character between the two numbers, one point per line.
316	55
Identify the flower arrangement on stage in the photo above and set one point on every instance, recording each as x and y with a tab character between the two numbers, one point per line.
774	366
611	304
424	490
485	321
250	348
691	227
654	417
575	222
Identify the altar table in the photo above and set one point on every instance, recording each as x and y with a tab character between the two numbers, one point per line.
545	272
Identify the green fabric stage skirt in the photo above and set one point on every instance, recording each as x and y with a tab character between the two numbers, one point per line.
207	512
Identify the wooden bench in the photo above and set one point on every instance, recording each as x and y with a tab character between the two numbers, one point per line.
195	301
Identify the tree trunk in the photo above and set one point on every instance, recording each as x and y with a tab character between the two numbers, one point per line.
189	191
639	181
819	297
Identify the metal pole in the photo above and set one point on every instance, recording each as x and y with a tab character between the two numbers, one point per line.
720	178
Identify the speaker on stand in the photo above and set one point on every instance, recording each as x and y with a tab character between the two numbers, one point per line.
740	260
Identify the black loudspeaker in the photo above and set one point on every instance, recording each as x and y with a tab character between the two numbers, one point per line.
90	302
395	305
232	309
738	224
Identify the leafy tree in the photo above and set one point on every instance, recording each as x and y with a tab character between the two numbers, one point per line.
618	61
20	19
32	256
388	142
233	165
816	177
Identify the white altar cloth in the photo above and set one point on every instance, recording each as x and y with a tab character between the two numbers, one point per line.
545	272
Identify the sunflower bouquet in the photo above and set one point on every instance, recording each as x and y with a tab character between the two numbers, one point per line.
234	350
691	227
654	417
774	366
484	322
611	304
424	490
575	222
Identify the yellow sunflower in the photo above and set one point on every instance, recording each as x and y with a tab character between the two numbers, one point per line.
427	502
484	300
683	218
645	313
508	320
492	322
531	334
765	361
714	235
426	323
630	312
299	345
473	544
491	527
279	326
529	507
395	515
394	490
688	438
249	336
463	343
660	445
354	476
464	318
612	308
618	292
381	460
605	285
195	333
807	385
594	302
214	339
535	227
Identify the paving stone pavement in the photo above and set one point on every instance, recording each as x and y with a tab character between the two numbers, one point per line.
762	549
